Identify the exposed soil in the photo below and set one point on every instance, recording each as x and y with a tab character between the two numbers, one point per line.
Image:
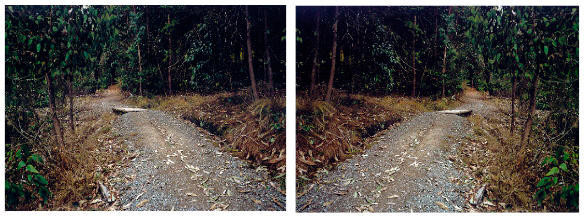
173	165
411	167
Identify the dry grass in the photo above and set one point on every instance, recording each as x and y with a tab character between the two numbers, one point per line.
408	106
492	154
90	155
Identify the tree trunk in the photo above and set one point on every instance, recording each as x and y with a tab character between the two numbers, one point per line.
70	93
170	56
56	122
140	71
147	33
315	54
444	71
333	56
444	61
436	32
50	90
139	59
513	120
529	120
532	107
413	94
267	47
487	74
250	64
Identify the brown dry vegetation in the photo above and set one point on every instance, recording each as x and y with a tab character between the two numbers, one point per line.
251	130
330	132
94	152
490	155
91	153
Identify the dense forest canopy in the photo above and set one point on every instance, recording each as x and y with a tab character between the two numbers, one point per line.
378	48
148	49
207	45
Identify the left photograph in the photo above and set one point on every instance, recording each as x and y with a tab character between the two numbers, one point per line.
137	107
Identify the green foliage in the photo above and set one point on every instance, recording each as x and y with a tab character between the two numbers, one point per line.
31	184
555	186
303	126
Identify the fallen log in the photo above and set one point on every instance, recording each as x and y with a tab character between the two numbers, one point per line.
457	112
126	109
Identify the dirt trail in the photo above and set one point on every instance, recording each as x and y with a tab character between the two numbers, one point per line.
173	165
409	168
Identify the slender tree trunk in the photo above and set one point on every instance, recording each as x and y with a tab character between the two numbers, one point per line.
162	77
170	56
487	74
250	64
445	61
52	106
146	9
267	47
413	94
436	32
140	71
532	107
70	93
529	120
444	71
333	56
315	54
513	120
139	59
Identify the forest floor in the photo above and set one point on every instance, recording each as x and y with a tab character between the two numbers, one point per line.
414	166
170	164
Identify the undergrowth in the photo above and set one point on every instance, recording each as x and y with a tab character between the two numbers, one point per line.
330	132
55	177
547	181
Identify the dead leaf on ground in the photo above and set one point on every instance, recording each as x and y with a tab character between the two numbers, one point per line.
441	205
244	191
276	201
192	168
391	197
326	204
142	203
277	188
306	205
306	191
219	206
191	194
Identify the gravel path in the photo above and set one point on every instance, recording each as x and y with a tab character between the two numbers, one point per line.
174	165
409	168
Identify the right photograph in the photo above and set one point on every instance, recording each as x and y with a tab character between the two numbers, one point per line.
437	109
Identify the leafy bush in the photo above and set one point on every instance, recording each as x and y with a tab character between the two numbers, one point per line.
554	186
28	183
